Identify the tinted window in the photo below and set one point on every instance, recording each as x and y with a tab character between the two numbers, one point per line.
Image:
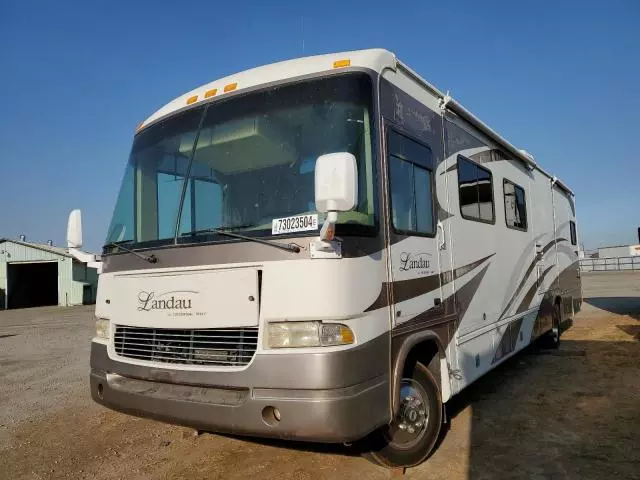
574	237
476	191
169	192
152	188
402	200
406	149
207	201
246	160
515	209
411	192
422	187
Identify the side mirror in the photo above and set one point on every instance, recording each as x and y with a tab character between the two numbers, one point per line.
336	182
336	185
74	229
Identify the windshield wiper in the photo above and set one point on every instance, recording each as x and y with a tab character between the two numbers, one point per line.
290	247
148	258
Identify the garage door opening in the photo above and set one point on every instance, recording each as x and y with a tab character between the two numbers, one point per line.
32	284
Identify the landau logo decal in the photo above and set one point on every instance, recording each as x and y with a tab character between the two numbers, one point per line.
414	261
174	300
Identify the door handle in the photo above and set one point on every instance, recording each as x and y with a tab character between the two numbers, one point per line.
443	241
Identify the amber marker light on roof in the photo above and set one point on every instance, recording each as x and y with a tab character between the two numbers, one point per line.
230	87
192	99
341	63
210	93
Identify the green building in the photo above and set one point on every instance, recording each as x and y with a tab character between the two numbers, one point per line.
33	275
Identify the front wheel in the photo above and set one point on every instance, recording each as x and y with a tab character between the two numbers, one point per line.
409	439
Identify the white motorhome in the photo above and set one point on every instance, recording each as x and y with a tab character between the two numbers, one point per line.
325	249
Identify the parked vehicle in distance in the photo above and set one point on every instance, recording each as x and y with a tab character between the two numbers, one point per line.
325	249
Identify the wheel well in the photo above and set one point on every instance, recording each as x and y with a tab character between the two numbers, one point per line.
425	350
427	353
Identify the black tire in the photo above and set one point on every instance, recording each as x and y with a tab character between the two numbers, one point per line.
387	445
552	339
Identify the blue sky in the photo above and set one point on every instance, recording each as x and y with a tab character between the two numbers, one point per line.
559	79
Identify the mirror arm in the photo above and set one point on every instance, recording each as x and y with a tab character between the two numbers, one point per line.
326	245
328	230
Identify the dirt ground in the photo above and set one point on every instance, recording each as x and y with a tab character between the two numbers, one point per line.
573	414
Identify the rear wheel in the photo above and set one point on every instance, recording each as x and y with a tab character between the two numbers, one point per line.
552	338
409	439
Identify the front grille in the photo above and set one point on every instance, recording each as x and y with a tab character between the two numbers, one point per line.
202	346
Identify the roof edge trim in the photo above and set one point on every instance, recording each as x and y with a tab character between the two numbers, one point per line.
454	106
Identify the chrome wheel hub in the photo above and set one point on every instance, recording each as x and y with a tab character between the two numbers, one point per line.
413	415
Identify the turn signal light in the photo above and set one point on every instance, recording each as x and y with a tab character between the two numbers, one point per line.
102	328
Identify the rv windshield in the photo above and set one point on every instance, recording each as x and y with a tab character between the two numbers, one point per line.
242	162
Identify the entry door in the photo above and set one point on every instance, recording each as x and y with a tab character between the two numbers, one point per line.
414	253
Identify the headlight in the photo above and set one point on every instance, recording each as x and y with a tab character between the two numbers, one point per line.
307	334
102	328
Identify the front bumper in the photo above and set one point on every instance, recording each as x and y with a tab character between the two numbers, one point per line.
323	397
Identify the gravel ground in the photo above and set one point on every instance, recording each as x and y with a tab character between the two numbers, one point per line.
569	414
44	366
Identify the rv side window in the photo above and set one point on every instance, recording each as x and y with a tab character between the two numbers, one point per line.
515	206
411	185
574	237
475	187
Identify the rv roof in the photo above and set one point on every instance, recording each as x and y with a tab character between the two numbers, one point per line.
375	59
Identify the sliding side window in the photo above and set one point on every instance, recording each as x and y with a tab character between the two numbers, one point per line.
515	206
410	172
475	185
